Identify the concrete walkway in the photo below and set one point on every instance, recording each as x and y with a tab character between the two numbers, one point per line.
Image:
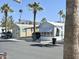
19	49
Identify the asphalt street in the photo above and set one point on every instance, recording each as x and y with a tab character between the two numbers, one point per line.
20	49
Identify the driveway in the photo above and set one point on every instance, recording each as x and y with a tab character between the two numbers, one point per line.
20	49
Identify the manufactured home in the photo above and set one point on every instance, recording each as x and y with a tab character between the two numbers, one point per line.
50	30
23	30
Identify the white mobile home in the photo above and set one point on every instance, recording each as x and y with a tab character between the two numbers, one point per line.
50	30
23	30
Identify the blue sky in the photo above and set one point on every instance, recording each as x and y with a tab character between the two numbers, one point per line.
51	8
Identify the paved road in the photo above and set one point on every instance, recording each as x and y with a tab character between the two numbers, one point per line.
27	50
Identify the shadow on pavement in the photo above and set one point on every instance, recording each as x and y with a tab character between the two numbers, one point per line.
45	45
27	39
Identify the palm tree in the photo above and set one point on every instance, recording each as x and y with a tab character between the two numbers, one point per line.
71	41
5	9
35	7
43	20
63	16
20	11
60	14
9	23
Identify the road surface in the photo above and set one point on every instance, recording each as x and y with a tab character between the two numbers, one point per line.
20	49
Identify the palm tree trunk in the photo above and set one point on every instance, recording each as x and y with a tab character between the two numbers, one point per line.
64	20
20	17
60	18
5	21
71	45
34	20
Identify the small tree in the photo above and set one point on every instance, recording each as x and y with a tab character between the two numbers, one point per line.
5	9
9	23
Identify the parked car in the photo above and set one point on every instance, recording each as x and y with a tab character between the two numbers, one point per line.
3	35
6	35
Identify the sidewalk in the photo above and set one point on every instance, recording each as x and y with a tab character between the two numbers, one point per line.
6	40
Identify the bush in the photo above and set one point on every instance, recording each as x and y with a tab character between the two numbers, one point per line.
36	36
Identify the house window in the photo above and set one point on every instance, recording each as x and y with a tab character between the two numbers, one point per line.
57	32
48	34
23	30
62	34
52	34
45	34
41	33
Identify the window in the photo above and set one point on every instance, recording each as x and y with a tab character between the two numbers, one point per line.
62	34
23	30
57	32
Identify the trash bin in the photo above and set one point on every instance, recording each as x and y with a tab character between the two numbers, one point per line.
53	41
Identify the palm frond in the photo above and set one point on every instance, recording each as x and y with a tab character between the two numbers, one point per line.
30	5
40	8
1	10
35	6
10	10
6	7
20	10
60	12
63	16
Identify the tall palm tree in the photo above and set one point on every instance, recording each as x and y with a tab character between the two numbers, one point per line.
71	41
20	11
60	14
5	9
64	17
35	7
